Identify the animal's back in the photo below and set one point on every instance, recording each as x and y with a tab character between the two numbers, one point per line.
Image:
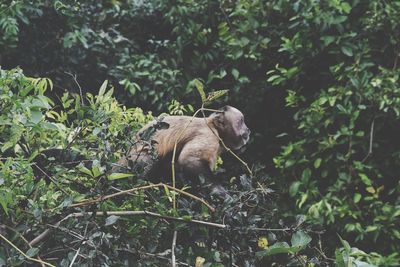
183	127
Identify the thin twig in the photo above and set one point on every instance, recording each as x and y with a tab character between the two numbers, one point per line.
24	239
395	61
79	86
46	232
266	229
50	178
150	214
173	260
371	137
23	254
157	255
75	256
81	129
92	201
226	16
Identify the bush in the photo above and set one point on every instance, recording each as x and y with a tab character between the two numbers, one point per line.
321	76
43	191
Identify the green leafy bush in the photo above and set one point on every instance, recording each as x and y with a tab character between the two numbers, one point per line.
42	192
342	172
333	63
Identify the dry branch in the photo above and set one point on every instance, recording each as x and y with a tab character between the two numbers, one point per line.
86	202
24	254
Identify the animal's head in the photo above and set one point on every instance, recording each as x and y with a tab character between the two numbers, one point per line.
229	122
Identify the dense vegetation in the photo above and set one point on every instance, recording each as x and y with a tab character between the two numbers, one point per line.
318	81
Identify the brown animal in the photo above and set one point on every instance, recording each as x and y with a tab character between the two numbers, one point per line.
198	147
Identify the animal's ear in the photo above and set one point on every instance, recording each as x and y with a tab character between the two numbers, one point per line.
218	118
225	108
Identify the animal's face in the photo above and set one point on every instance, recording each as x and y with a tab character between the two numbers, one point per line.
231	126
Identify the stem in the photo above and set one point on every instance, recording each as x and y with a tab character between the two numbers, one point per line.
173	260
92	201
23	239
23	254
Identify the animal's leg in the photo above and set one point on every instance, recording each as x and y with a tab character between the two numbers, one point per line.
195	160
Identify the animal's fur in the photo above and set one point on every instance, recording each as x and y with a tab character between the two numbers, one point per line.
198	146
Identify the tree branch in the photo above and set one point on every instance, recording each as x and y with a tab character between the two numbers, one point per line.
173	260
92	201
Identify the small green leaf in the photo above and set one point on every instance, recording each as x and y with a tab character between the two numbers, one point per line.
345	244
118	175
357	197
300	239
36	116
103	88
277	248
365	179
345	7
85	170
200	88
294	188
215	95
235	73
111	220
317	163
32	252
328	40
347	50
96	171
371	228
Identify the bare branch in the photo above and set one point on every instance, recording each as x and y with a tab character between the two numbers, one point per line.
75	256
371	137
79	86
173	260
23	253
102	198
50	178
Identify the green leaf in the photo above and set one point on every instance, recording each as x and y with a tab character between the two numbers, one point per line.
317	163
348	51
36	116
294	188
32	252
371	228
345	244
365	179
111	220
306	175
328	40
85	170
200	88
277	248
345	7
96	171
235	73
357	197
300	239
215	95
118	175
103	88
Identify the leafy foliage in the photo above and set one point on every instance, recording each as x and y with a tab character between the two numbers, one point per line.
39	195
317	80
